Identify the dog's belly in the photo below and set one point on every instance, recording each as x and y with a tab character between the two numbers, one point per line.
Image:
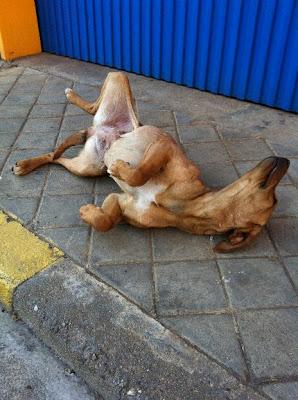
131	148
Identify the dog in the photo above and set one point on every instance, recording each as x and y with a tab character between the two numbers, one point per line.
161	186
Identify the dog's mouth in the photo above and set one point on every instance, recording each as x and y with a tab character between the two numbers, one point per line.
274	168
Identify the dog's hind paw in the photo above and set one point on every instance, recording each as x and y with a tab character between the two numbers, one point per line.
20	168
68	92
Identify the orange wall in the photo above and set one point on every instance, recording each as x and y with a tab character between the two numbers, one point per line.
19	33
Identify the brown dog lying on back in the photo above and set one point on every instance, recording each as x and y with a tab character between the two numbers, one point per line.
161	186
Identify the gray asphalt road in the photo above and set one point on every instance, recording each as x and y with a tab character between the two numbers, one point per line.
29	371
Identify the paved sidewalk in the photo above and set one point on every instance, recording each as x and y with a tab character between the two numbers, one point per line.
239	309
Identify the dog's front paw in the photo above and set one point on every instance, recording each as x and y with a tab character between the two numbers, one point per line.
95	217
87	212
68	93
21	167
118	169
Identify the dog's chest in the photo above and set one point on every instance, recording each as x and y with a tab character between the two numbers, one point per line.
143	196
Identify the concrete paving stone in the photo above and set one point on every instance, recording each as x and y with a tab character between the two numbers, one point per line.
71	109
149	105
9	79
73	241
206	152
270	341
106	185
116	347
11	125
19	98
214	334
13	70
218	174
14	111
76	122
122	244
159	118
261	247
47	111
287	119
28	185
282	391
183	118
187	287
42	125
73	70
22	207
36	140
173	245
60	181
284	144
3	155
53	212
287	205
72	151
5	87
284	232
254	149
251	119
253	132
291	264
256	282
28	370
51	98
245	166
55	85
194	117
196	133
88	92
33	72
7	139
293	170
29	87
133	280
65	134
31	75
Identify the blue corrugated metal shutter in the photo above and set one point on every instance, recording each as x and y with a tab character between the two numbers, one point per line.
247	49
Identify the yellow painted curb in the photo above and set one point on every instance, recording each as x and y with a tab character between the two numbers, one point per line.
22	255
19	33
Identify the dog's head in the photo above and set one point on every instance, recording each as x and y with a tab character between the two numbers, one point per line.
254	192
243	206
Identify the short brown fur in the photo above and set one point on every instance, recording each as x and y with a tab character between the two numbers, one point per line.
161	186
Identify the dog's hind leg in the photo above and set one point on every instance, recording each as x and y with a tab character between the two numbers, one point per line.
105	217
79	165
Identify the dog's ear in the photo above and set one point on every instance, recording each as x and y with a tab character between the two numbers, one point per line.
116	104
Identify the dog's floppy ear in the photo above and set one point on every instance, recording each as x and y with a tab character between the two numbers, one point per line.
116	104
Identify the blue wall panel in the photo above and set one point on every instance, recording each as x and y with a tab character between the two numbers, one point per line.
247	49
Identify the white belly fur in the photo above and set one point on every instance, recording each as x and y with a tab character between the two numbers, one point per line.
131	148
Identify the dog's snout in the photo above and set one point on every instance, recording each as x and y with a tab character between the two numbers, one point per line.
274	168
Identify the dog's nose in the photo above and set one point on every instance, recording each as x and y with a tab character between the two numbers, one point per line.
274	169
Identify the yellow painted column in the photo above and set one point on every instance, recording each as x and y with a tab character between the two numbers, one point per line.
19	33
